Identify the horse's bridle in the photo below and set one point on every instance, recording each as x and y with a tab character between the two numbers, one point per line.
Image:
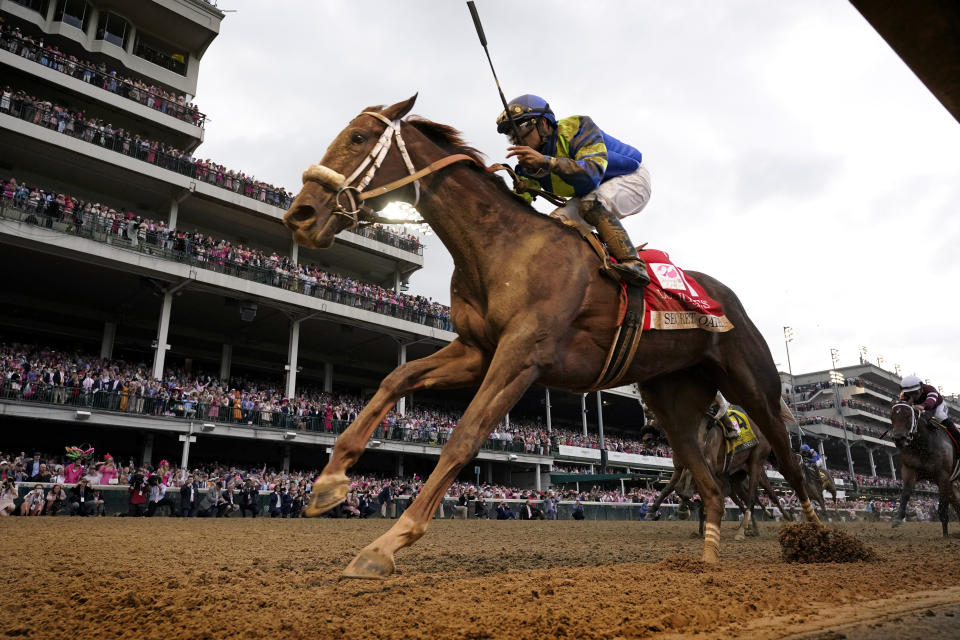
359	213
913	420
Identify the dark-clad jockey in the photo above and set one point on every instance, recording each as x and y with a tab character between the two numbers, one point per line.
604	178
929	402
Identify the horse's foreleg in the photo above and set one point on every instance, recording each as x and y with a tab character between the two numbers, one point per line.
946	497
909	478
509	376
667	490
456	365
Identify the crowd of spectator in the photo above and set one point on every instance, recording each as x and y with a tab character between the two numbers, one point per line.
43	374
169	102
115	226
82	126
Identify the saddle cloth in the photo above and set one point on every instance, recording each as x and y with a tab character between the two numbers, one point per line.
677	301
747	438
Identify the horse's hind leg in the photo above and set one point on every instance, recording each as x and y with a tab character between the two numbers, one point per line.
456	365
759	394
679	400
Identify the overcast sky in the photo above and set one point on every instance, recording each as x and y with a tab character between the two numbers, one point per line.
794	156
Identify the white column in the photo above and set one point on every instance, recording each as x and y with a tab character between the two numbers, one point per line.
147	449
600	417
286	458
583	412
397	282
294	251
163	330
131	36
506	420
109	337
873	466
292	352
537	466
893	469
399	465
226	361
549	417
401	360
185	457
328	377
820	447
174	210
50	11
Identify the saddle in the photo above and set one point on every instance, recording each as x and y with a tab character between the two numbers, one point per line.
956	448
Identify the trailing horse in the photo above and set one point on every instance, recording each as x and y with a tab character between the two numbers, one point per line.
530	306
926	452
738	475
817	481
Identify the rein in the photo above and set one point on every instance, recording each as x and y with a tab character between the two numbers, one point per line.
358	213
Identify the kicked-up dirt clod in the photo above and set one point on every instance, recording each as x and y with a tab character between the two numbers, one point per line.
812	542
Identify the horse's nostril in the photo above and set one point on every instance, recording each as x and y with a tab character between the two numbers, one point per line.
300	215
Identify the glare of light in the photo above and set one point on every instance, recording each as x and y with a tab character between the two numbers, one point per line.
405	216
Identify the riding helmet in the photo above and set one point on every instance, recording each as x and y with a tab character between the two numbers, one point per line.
910	383
523	108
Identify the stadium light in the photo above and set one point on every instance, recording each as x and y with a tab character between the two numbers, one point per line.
896	369
836	379
290	435
207	426
375	443
83	415
834	357
787	339
788	334
512	456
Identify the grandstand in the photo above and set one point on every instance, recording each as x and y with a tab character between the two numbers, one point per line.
850	420
126	251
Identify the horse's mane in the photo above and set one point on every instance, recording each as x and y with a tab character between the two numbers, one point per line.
450	140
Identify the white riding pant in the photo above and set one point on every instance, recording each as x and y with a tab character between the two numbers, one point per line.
623	196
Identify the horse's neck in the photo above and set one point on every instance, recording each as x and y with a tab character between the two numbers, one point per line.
478	223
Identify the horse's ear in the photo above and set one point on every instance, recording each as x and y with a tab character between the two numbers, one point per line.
397	111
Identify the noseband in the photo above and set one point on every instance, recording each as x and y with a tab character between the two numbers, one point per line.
354	194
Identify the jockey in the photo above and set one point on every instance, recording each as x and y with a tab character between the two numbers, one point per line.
730	428
604	178
926	399
811	457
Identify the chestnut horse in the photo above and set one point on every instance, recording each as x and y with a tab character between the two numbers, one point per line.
530	306
925	453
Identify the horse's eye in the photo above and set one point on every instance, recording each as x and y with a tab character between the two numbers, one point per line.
358	139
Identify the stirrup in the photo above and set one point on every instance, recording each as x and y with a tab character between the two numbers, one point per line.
634	271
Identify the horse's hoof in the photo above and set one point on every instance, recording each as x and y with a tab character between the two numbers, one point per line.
370	565
739	537
710	556
327	493
897	524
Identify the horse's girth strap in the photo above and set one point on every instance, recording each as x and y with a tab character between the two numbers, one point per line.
433	166
624	346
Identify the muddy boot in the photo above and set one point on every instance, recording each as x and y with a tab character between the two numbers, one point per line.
611	231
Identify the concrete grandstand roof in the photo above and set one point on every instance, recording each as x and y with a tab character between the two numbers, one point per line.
926	35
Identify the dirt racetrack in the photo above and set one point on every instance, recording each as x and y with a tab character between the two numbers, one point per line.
99	578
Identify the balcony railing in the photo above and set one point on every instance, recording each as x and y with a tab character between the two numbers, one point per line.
101	228
166	406
160	155
101	78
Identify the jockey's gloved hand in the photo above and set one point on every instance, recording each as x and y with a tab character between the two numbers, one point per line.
926	415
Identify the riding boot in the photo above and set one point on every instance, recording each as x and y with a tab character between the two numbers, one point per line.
611	231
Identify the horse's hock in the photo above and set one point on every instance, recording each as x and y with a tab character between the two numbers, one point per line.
810	542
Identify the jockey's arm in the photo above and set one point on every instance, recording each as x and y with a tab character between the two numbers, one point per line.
722	406
587	164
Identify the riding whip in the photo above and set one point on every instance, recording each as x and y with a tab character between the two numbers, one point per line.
483	42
